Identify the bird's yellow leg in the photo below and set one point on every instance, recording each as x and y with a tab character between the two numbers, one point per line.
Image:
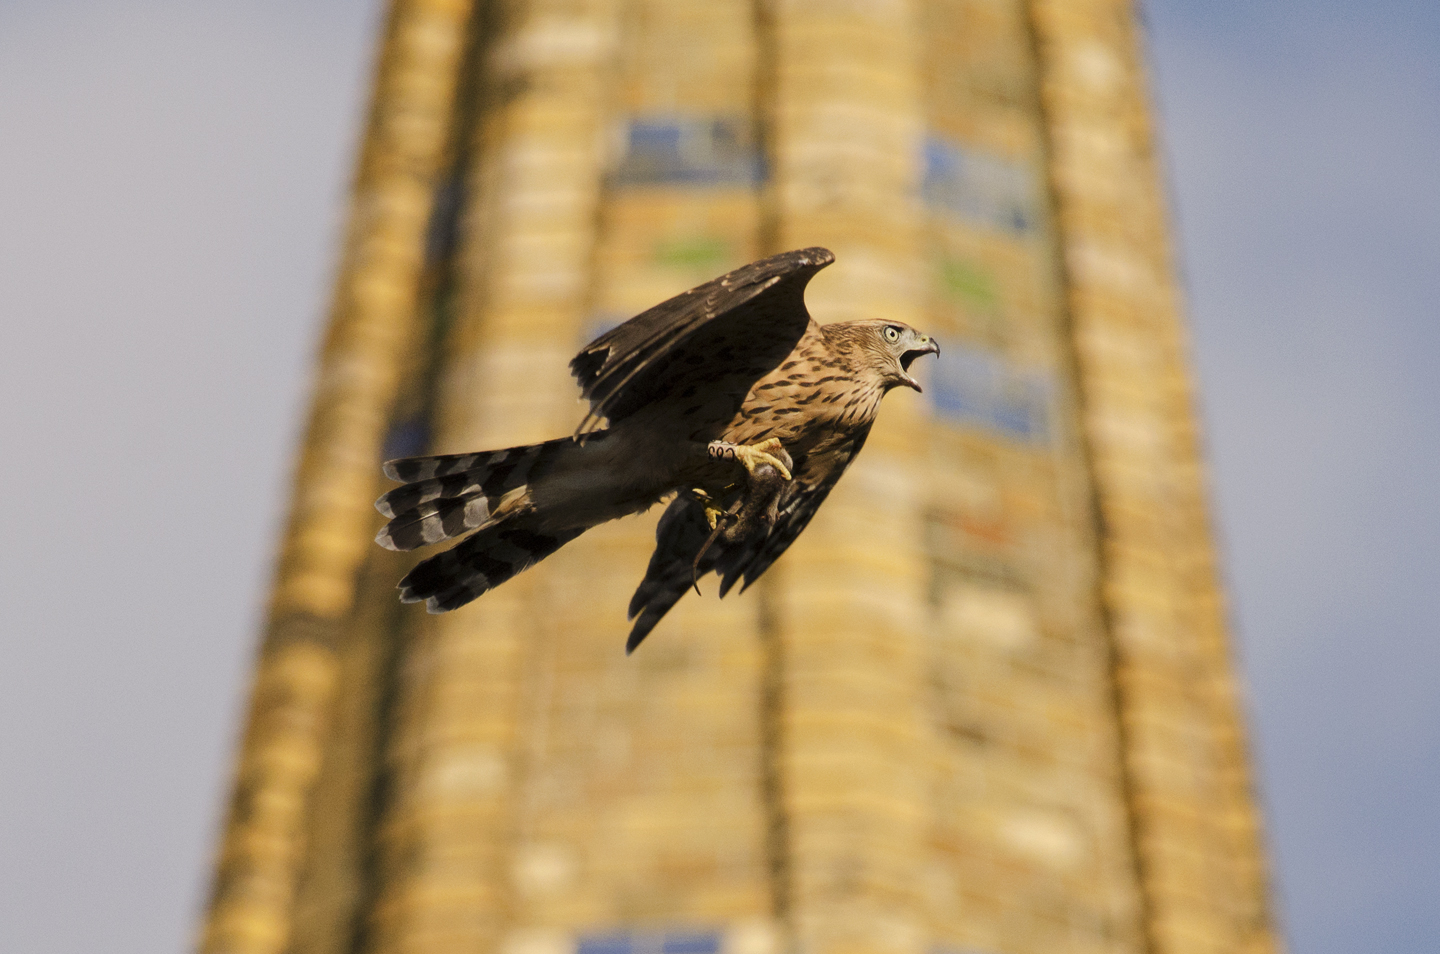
713	510
751	456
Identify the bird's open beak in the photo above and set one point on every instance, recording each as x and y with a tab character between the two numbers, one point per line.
928	345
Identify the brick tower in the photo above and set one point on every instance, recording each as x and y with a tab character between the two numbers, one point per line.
983	706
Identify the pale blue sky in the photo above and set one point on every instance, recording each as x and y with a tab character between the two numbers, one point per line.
1304	143
173	175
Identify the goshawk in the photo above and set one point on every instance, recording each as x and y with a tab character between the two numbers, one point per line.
729	398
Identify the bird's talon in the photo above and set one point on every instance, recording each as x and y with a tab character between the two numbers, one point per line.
752	456
765	454
713	510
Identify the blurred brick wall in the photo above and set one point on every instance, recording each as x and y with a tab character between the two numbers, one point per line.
984	705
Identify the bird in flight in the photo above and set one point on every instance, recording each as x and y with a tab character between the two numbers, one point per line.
729	397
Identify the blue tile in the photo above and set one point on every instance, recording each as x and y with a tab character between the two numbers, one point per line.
606	944
690	150
662	942
981	187
703	943
982	389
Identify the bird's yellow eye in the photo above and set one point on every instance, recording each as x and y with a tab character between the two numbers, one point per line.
892	333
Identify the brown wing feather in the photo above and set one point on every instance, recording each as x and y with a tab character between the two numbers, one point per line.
797	507
682	531
758	311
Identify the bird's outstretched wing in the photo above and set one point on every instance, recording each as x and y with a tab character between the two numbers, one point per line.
796	509
718	338
683	530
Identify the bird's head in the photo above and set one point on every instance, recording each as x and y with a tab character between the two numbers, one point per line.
889	347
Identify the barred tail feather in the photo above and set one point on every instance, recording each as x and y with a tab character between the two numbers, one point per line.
410	469
456	493
488	558
402	499
435	521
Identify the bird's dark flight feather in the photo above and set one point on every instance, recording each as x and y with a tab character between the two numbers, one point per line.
761	305
683	530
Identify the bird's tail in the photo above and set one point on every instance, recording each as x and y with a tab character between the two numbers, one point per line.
480	563
447	496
